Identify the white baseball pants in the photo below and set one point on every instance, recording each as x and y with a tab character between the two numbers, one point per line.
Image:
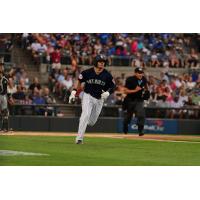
91	109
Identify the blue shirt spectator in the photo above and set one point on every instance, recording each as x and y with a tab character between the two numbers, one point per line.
38	100
111	51
104	38
140	45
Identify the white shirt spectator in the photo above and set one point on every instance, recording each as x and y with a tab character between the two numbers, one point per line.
154	57
35	46
137	62
174	104
190	85
67	83
98	47
178	83
183	99
25	35
11	90
60	78
43	48
165	78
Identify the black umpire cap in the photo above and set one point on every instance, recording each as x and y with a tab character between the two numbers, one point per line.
139	70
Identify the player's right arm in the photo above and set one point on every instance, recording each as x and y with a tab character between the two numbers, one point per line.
73	92
77	86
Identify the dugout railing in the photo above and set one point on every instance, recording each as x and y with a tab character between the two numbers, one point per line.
74	110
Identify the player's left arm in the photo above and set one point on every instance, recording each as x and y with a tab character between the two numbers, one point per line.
112	85
110	88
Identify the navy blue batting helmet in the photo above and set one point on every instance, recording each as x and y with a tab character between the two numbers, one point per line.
100	58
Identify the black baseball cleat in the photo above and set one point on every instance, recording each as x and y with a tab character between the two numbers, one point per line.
125	130
79	142
141	130
141	133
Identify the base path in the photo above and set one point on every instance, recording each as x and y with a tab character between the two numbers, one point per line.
155	137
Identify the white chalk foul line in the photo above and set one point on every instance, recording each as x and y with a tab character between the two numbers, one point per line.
19	153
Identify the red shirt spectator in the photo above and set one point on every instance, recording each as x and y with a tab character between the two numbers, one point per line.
56	56
134	46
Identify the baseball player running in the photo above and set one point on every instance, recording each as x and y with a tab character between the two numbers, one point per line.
3	101
98	85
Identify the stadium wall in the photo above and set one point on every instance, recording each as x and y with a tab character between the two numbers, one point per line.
104	125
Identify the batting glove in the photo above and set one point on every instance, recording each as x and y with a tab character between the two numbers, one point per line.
72	96
105	95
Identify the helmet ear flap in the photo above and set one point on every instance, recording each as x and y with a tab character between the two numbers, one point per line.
95	62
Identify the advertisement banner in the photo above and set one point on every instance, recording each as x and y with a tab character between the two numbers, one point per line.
160	126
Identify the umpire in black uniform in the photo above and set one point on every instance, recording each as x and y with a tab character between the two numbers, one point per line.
136	89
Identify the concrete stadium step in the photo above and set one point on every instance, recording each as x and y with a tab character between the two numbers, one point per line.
68	111
20	57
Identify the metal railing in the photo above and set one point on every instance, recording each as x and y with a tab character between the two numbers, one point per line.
113	60
187	112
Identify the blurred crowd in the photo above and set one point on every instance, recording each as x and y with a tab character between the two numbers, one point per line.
22	91
155	50
6	44
168	91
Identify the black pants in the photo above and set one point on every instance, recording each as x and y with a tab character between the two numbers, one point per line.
136	107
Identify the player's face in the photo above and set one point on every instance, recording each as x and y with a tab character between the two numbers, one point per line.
139	75
101	64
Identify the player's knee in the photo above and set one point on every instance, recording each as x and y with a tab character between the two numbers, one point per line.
84	118
91	123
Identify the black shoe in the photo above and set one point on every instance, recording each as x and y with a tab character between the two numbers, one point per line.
125	130
79	142
141	134
141	130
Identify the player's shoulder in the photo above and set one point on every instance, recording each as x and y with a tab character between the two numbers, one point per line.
131	78
86	71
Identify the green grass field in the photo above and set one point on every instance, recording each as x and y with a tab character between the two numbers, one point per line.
98	152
